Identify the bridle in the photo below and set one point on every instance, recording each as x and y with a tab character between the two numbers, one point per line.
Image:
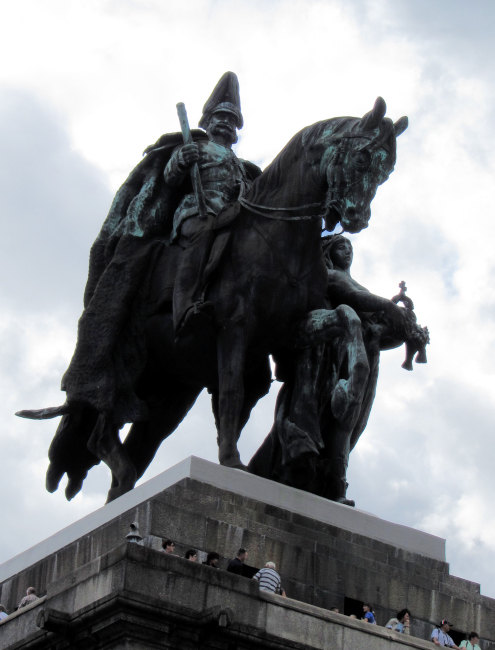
338	186
252	207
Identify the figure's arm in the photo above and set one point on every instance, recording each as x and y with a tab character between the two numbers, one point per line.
342	290
180	163
434	637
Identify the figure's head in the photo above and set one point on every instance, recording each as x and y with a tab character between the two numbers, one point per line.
474	638
221	127
367	607
31	591
212	559
168	546
360	156
242	554
445	625
270	565
222	112
338	252
341	252
191	555
403	616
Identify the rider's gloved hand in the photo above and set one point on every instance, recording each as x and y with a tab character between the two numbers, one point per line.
188	155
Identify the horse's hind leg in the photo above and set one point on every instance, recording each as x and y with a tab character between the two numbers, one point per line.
106	445
144	438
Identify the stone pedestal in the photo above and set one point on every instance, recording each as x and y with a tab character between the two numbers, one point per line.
99	590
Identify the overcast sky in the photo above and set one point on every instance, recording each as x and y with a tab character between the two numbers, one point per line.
87	84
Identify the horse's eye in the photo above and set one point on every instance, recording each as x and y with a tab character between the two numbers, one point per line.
362	160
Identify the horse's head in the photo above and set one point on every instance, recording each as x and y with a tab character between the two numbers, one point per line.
359	155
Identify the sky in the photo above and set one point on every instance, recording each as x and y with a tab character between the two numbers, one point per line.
88	84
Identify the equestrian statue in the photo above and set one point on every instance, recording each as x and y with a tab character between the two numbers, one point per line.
206	266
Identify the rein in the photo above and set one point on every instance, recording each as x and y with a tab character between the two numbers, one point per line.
252	208
337	186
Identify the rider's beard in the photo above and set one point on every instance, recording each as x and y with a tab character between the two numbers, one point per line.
225	131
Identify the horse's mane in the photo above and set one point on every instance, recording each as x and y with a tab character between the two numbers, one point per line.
273	177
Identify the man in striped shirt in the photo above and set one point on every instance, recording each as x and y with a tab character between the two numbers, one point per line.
269	579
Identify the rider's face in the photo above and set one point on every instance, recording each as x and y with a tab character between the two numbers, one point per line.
342	254
222	125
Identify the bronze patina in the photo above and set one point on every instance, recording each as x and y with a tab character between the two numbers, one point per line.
191	290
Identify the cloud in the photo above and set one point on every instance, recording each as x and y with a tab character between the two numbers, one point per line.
73	125
52	201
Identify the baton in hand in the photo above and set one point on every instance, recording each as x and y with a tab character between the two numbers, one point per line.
195	177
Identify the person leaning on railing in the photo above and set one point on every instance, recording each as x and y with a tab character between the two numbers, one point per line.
401	622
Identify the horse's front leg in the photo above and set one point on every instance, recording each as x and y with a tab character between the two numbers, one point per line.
231	358
106	445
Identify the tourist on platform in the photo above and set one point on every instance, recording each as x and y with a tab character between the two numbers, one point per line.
334	609
401	622
369	616
29	598
191	555
168	546
440	635
235	565
269	579
353	616
472	643
212	559
3	613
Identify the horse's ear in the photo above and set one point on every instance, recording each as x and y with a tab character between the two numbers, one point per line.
400	126
372	119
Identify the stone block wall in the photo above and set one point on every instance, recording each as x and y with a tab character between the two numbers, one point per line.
137	598
320	564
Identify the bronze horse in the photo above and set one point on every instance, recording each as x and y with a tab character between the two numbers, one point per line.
271	274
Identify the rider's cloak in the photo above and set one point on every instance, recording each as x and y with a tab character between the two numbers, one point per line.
110	353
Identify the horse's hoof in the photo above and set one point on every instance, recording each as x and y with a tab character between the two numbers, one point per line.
234	464
74	486
231	459
116	492
346	502
54	475
113	493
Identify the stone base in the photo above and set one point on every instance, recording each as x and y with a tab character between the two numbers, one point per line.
325	553
135	597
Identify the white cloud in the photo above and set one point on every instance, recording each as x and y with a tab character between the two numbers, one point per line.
91	83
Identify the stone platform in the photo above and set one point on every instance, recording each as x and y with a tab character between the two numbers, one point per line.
327	554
